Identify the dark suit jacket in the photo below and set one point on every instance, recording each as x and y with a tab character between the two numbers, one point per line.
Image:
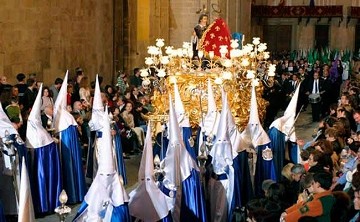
327	86
311	84
44	120
286	86
29	98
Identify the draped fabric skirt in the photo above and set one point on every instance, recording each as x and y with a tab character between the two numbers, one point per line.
45	177
278	144
119	157
72	168
113	214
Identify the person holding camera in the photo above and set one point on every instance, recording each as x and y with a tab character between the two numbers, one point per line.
319	206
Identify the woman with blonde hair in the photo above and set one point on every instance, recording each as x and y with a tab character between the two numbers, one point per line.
291	187
286	171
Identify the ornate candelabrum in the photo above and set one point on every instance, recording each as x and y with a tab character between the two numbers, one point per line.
202	158
49	127
9	150
158	171
51	130
234	70
7	144
63	211
18	139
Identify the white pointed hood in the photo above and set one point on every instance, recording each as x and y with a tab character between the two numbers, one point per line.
104	145
210	122
286	123
62	118
211	99
182	118
254	114
107	186
60	102
187	163
97	102
36	135
212	118
235	135
222	133
254	134
146	168
147	202
26	208
172	160
222	150
97	108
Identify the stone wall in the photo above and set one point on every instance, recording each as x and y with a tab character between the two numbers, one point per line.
148	20
341	32
238	16
48	37
183	18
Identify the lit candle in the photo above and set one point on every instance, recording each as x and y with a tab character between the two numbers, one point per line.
191	53
211	54
49	122
63	198
200	54
243	40
157	160
218	81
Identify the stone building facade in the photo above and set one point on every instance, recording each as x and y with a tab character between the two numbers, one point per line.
303	30
48	37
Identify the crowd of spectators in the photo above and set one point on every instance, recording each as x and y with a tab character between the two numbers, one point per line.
128	102
324	186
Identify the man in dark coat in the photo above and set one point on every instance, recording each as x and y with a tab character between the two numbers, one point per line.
315	91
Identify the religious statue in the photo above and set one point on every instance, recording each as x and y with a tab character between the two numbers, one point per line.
199	30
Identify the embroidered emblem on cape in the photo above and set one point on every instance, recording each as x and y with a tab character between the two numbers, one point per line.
191	141
304	209
267	154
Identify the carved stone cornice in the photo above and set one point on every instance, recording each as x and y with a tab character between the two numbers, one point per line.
265	11
354	12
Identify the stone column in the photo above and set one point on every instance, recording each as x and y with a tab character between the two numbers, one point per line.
183	18
238	16
149	20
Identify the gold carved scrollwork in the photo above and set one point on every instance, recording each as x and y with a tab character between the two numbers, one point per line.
193	93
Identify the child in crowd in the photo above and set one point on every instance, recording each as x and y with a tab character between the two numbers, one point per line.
13	110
